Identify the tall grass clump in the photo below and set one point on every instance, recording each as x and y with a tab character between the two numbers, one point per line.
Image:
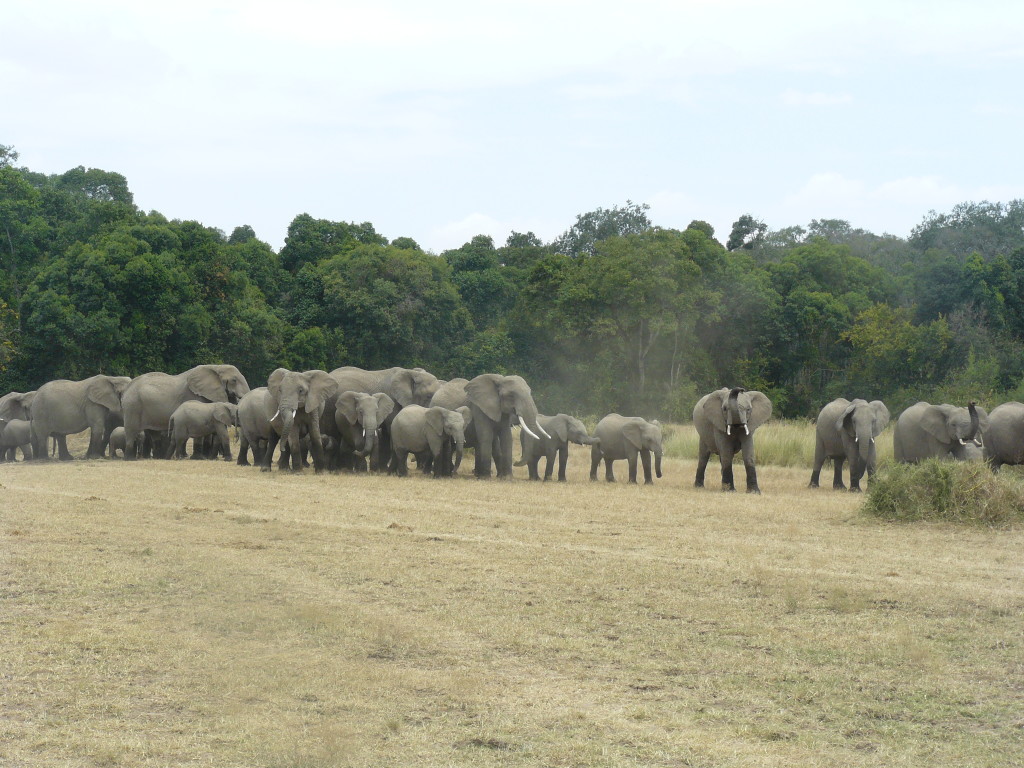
952	491
782	443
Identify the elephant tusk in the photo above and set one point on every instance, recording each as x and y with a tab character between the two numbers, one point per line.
746	429
728	429
962	441
856	439
872	441
522	423
542	431
364	433
979	443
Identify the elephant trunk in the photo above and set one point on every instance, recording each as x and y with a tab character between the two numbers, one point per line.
369	437
973	435
657	462
528	414
459	445
734	416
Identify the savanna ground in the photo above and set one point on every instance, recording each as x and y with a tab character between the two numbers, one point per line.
198	613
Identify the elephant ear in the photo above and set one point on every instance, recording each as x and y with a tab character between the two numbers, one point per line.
222	413
483	393
558	429
846	414
881	417
274	382
713	408
634	433
205	382
385	406
347	405
935	421
321	386
982	418
434	418
761	409
101	391
467	414
402	388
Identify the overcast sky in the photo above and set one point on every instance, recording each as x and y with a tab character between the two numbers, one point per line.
442	120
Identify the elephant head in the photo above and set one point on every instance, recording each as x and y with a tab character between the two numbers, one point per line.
295	391
226	414
411	386
958	428
368	411
16	405
861	422
217	383
737	411
107	391
645	436
444	424
496	395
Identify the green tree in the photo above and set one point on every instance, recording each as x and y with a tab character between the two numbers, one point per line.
600	224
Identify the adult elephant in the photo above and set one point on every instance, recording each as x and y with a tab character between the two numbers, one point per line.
432	433
926	431
254	426
405	386
626	437
726	420
15	405
294	403
846	431
358	418
64	407
495	402
564	429
151	398
1004	440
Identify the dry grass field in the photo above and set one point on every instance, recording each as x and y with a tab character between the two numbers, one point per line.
199	613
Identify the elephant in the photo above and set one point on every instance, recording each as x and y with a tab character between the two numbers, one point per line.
623	437
726	420
429	432
15	434
357	420
116	442
199	420
254	426
405	386
925	431
1004	440
495	401
847	430
151	398
564	429
65	407
16	405
294	404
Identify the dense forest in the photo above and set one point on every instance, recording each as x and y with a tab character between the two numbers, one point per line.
617	313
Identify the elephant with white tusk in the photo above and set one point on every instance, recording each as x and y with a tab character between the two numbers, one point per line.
726	420
294	404
925	431
846	430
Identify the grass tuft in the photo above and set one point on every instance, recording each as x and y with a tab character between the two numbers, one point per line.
962	492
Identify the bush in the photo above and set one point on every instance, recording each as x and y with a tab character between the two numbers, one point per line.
961	492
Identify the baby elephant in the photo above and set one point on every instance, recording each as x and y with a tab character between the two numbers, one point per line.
15	434
562	430
432	434
197	420
623	437
116	442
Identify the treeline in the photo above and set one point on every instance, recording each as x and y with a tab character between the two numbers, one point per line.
615	314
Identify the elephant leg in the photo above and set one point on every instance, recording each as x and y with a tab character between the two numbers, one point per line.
225	442
837	478
95	441
563	461
503	461
631	461
532	466
243	451
550	456
645	458
401	462
726	454
609	476
703	456
748	464
484	448
819	460
595	461
62	448
268	454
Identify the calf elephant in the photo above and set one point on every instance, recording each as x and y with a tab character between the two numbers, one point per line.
925	431
196	420
15	434
430	433
253	426
844	431
625	437
294	404
1004	440
151	398
65	407
116	442
726	420
563	429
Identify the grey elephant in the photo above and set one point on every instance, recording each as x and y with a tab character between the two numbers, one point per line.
151	398
65	407
16	405
253	426
116	442
925	431
563	429
358	419
196	420
1004	439
294	404
432	433
405	386
726	420
846	431
15	434
626	437
496	403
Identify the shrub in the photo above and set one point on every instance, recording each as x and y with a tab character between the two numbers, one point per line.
962	492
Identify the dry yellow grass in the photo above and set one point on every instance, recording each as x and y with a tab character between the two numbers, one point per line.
198	613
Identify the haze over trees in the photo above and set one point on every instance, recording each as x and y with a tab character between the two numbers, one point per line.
617	313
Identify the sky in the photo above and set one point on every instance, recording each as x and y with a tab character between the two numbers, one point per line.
443	120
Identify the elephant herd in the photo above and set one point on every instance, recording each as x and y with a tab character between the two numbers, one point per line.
348	416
